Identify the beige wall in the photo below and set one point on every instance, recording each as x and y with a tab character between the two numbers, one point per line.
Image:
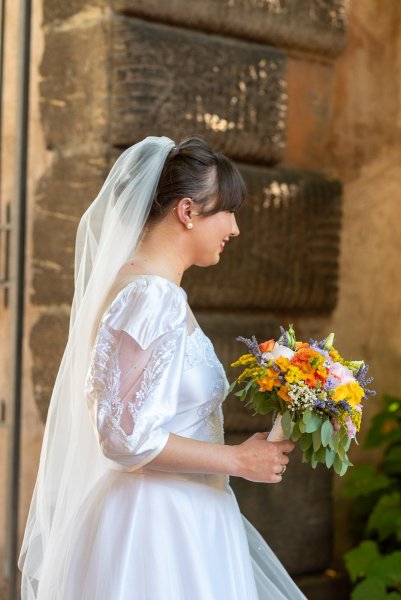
365	154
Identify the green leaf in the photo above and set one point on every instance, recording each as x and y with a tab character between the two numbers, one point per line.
338	464
301	426
370	589
330	455
317	442
364	480
262	403
327	432
313	424
314	460
321	454
305	441
386	516
306	417
307	454
387	569
359	559
232	386
392	460
286	424
296	434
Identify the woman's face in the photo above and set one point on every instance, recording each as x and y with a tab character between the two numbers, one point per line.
209	235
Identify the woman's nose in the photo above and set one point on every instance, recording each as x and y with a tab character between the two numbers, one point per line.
234	228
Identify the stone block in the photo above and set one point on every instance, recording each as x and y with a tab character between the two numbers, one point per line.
75	73
330	585
286	258
55	11
313	25
62	195
294	516
47	341
176	82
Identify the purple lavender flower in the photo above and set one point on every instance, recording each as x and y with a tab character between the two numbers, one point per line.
283	339
364	381
253	346
316	347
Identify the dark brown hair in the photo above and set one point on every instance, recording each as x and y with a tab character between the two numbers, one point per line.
193	170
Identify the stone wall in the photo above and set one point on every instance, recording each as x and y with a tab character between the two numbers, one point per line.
266	83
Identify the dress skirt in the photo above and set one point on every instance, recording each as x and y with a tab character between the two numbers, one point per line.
151	535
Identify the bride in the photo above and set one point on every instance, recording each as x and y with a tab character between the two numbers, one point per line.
132	499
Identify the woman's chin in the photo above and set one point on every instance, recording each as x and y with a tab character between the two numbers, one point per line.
208	263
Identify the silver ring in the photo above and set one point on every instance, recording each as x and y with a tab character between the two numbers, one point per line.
282	470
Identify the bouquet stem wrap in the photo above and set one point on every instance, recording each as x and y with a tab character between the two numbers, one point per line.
277	433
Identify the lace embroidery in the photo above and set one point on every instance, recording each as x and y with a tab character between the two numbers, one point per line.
212	411
103	382
199	350
160	358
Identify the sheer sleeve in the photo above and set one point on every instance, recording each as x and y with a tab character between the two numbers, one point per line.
135	372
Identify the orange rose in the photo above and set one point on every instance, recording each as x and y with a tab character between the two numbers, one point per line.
267	346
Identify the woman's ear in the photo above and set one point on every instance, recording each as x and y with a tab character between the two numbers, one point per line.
184	210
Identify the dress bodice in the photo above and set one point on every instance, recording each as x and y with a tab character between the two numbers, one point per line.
153	372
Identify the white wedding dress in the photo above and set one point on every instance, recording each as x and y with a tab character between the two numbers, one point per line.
148	535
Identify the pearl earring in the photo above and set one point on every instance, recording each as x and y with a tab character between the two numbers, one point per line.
190	225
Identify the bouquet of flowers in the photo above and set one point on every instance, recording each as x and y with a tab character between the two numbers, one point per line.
315	394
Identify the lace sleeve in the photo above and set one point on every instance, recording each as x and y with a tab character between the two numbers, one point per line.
132	393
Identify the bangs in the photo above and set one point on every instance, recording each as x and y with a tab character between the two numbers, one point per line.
230	186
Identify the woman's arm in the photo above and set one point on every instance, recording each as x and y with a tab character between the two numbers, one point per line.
255	459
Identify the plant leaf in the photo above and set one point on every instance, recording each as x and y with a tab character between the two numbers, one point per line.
370	589
330	455
387	569
316	438
364	480
358	559
327	432
305	441
386	515
313	424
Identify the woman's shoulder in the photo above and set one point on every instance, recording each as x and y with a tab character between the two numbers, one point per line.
146	307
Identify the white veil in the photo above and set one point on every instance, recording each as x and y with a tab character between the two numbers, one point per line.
71	462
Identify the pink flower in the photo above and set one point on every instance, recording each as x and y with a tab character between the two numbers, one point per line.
336	424
343	374
351	429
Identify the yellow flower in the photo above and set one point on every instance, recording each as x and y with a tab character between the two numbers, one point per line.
293	375
283	363
245	359
351	392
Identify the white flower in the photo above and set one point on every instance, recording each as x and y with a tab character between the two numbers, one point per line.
278	350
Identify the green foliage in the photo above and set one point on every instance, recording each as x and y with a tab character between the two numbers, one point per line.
375	564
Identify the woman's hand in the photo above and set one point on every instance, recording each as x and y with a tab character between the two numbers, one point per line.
260	460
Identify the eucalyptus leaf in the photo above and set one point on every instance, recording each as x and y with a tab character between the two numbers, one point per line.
329	460
316	439
313	424
296	434
314	460
338	464
286	424
301	426
305	441
327	432
306	417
